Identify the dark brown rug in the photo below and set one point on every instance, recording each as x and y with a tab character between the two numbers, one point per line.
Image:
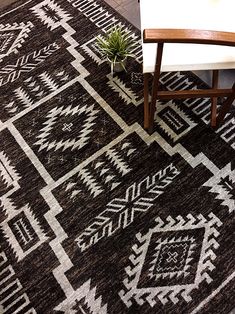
97	216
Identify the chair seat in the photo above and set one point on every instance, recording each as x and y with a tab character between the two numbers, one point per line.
189	57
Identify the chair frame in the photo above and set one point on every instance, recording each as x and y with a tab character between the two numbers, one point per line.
162	36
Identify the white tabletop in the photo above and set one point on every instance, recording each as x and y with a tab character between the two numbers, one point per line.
194	14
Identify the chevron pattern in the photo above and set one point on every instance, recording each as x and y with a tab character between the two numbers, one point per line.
104	174
13	36
24	64
124	92
121	212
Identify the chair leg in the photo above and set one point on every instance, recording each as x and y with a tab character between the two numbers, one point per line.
225	107
155	86
215	81
146	100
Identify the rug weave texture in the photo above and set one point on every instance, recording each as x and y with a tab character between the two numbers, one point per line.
96	215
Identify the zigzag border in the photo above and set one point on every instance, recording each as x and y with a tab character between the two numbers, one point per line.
171	293
25	29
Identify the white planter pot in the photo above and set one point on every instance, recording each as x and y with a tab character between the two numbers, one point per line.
118	66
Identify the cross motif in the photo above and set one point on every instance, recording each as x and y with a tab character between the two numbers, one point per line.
85	97
104	121
33	122
38	112
67	127
29	133
59	98
72	98
102	131
76	159
172	257
97	142
49	158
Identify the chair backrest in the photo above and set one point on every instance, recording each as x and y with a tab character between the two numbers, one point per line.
213	15
187	48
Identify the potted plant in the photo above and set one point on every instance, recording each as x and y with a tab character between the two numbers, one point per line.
116	46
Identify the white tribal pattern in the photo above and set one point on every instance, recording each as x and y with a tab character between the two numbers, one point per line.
166	293
121	212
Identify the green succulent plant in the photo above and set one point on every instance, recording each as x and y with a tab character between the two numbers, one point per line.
116	45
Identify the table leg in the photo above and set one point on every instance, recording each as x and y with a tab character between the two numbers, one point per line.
146	100
215	81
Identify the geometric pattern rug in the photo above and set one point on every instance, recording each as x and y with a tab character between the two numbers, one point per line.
96	215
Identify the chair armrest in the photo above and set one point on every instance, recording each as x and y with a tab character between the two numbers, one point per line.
189	36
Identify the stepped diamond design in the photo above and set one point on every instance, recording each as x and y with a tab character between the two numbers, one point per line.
80	121
6	39
172	257
176	256
12	37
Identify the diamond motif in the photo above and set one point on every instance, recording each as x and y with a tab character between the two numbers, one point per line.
12	37
6	39
174	267
65	118
172	257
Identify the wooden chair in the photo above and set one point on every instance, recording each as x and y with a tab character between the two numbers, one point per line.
192	39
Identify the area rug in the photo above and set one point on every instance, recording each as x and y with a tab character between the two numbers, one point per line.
96	215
